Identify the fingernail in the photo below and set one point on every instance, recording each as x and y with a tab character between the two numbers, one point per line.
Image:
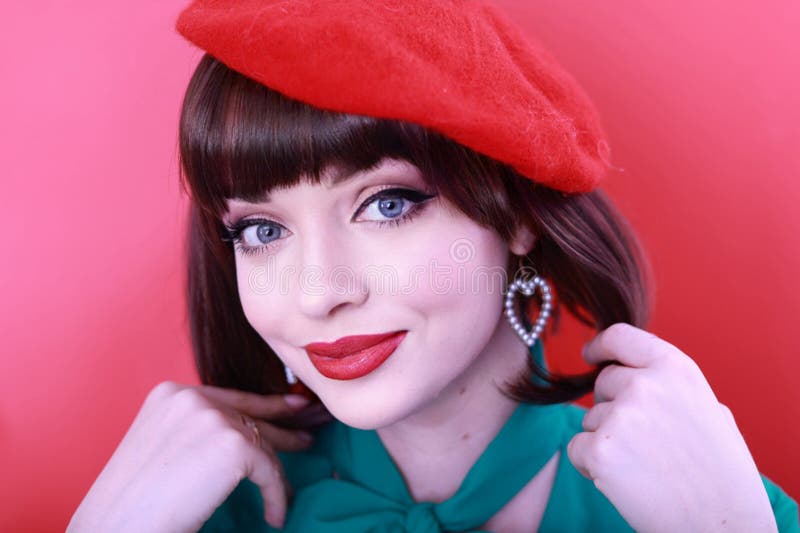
295	401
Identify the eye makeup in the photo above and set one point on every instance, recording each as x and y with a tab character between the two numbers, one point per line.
260	229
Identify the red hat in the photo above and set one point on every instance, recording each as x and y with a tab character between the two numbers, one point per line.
458	67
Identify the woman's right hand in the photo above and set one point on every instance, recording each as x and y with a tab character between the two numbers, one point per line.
185	452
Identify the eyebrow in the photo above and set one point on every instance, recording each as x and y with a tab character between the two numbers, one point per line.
339	173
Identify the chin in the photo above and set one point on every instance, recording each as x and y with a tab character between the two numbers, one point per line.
362	414
361	417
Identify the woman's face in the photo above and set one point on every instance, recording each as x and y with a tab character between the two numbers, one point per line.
330	260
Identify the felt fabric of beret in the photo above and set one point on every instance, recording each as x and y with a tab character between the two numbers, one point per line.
458	67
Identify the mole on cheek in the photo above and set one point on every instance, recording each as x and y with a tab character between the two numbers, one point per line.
465	436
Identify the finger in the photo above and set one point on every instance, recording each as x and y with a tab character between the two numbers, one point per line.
311	417
595	416
266	471
284	439
626	344
255	405
577	453
611	381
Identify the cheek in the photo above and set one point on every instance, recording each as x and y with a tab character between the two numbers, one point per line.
460	288
448	276
260	294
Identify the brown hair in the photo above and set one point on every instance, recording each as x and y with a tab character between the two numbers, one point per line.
241	139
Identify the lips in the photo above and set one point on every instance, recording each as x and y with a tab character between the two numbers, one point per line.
354	356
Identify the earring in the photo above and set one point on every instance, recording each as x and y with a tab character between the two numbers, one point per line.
291	379
527	287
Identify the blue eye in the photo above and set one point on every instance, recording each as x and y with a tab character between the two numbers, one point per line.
389	207
396	205
253	235
261	233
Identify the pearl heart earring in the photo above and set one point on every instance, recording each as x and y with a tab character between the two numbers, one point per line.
527	288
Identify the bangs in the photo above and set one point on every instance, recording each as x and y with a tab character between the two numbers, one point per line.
240	139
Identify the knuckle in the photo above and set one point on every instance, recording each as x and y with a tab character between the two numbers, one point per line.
620	326
211	418
590	419
652	336
571	451
658	350
621	416
600	484
619	329
667	353
276	470
190	399
727	412
660	357
604	374
611	415
586	422
690	366
231	441
238	466
610	373
683	366
163	389
639	387
598	453
613	334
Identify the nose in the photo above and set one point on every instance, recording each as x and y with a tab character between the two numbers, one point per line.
329	279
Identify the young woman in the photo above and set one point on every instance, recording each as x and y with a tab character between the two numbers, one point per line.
389	201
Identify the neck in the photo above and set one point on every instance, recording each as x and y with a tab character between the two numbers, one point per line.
435	447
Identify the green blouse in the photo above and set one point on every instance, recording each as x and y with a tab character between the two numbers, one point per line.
347	482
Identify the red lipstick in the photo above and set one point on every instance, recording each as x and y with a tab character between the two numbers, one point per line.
354	356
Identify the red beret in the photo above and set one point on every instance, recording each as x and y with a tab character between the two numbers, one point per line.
458	67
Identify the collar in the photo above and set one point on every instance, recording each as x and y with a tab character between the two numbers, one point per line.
369	493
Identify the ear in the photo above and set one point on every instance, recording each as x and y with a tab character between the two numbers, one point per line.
523	240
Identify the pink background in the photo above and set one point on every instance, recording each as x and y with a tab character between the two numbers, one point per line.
701	104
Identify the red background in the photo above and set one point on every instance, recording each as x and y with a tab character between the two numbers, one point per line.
701	105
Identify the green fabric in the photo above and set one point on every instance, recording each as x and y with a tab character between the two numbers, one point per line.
347	482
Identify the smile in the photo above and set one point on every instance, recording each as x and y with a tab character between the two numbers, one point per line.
354	356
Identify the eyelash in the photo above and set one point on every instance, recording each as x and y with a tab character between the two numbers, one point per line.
234	233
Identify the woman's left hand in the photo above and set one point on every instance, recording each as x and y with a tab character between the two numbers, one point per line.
660	446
